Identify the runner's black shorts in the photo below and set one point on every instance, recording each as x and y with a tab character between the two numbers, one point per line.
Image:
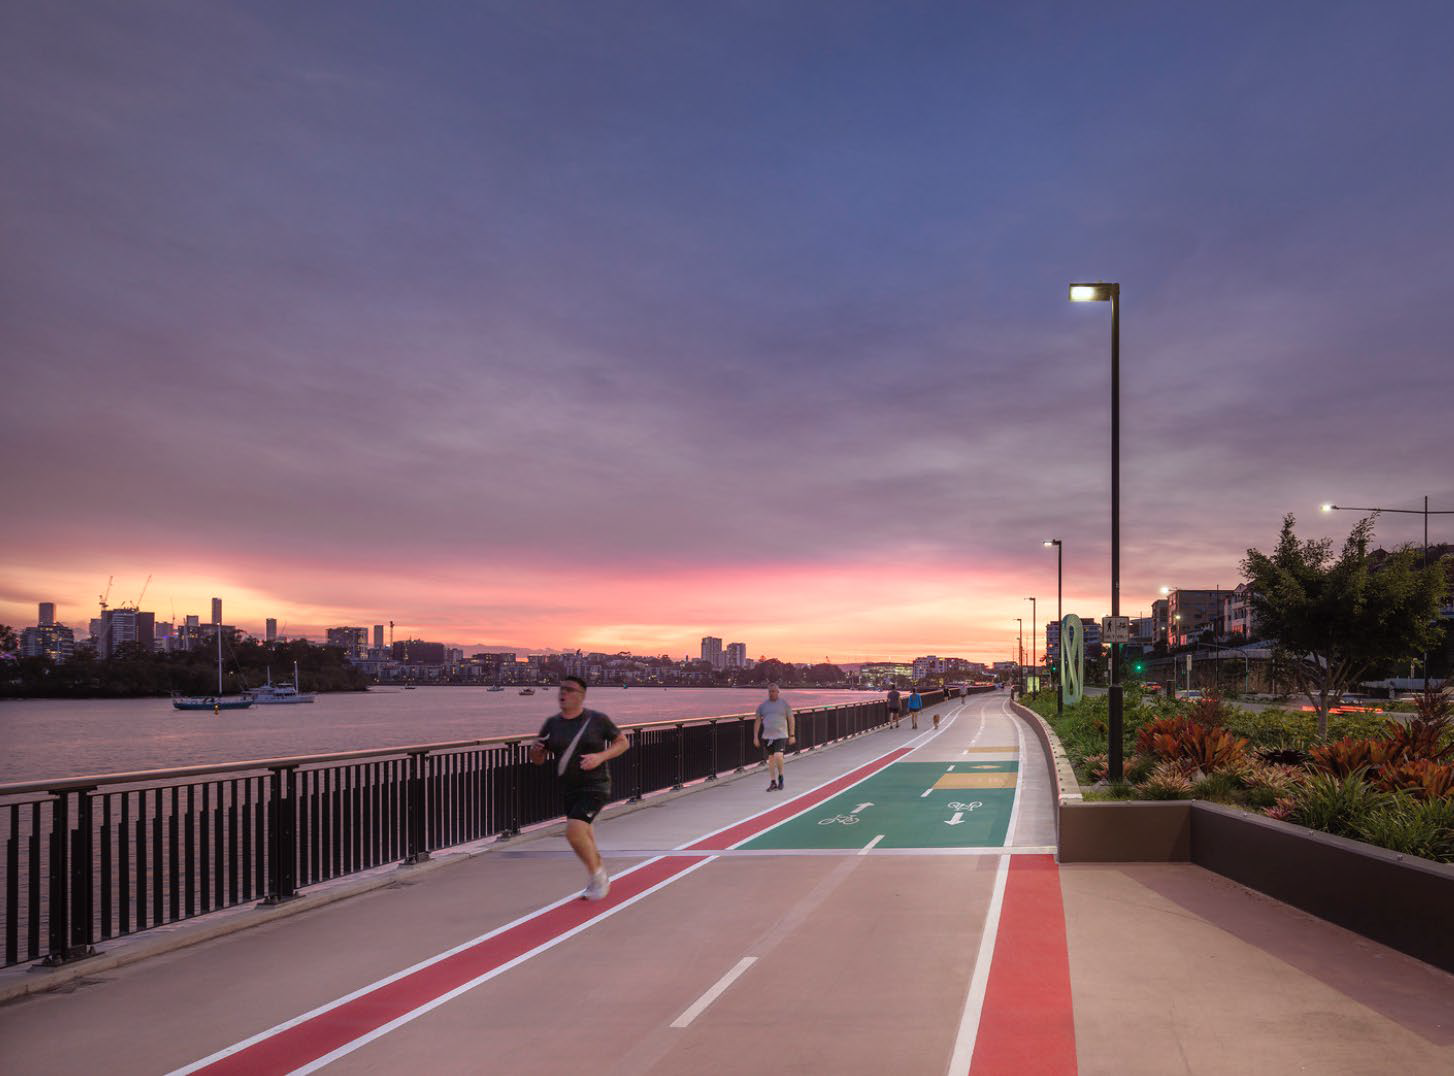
774	747
583	804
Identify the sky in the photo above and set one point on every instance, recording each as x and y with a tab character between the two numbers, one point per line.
614	325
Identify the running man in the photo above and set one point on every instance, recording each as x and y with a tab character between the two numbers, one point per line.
772	730
582	742
916	703
894	704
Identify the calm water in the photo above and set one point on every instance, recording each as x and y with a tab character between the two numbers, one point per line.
44	738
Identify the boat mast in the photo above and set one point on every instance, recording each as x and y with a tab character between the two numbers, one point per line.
219	661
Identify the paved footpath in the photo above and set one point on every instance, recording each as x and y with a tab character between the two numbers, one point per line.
898	909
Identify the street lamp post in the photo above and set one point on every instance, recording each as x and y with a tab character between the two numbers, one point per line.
1059	627
1034	661
1020	654
1100	293
1426	513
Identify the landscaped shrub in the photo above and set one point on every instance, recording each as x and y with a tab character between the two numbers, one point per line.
1334	804
1348	756
1204	747
1406	825
1421	777
1167	782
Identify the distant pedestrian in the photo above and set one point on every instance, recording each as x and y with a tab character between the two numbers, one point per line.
894	705
916	703
772	730
582	742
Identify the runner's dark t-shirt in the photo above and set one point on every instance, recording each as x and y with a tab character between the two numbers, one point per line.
558	732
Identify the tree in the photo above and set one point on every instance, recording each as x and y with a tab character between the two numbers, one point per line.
1335	618
9	641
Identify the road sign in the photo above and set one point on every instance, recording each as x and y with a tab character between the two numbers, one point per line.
1115	629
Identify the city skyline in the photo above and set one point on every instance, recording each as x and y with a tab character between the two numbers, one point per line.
568	327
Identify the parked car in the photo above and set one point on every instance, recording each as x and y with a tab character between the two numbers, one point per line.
1191	695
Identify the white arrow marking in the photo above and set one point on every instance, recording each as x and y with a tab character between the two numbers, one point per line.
958	818
860	807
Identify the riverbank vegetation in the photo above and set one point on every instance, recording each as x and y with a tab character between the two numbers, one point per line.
135	673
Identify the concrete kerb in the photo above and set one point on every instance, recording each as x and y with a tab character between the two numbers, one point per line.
22	980
1062	773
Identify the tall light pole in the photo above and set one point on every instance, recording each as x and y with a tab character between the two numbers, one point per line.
1426	513
1101	293
1020	654
1059	626
1034	661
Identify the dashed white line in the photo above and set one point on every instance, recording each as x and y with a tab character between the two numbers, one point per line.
714	992
864	850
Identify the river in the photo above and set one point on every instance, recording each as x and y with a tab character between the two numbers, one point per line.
45	738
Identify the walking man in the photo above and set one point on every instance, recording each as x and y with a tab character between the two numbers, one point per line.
894	704
916	703
581	741
772	730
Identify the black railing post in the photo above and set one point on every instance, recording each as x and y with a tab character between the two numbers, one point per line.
282	836
637	760
712	725
518	758
681	742
58	880
741	746
69	880
415	850
82	877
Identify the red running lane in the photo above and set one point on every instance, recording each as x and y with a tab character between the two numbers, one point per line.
293	1047
1026	1026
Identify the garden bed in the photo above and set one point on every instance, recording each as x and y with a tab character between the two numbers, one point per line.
1386	783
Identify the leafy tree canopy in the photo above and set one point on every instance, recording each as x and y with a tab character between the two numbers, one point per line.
1335	617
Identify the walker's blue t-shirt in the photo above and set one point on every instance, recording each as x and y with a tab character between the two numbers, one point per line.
916	701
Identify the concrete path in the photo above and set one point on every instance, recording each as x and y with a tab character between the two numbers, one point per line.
897	909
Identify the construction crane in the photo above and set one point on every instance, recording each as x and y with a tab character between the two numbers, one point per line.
106	597
143	591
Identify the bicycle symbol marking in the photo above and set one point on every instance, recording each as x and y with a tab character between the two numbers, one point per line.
965	806
841	819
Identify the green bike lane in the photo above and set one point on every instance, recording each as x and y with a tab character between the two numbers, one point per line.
909	805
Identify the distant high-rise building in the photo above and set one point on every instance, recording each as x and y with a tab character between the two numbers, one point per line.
272	629
736	655
216	610
418	652
116	627
378	636
54	641
353	641
47	614
712	651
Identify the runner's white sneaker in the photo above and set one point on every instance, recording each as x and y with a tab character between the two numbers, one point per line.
599	887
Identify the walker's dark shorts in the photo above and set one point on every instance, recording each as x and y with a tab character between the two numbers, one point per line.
583	804
774	747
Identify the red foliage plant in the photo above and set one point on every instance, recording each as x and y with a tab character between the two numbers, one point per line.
1349	755
1424	778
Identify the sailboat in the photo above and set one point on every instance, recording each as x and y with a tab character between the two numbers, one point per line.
271	694
215	703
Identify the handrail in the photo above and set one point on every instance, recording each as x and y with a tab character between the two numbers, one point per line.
70	784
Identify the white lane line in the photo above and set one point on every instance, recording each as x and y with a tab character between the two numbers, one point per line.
1019	777
950	770
864	850
974	1003
926	792
714	992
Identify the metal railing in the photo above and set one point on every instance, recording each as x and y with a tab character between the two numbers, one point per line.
88	859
